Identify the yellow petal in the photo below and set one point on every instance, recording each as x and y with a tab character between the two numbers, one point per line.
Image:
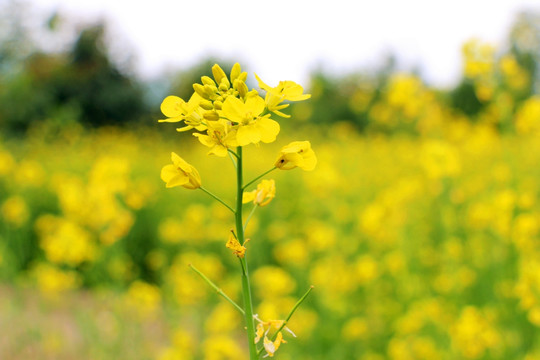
172	177
248	196
172	106
310	160
234	109
181	163
255	105
248	134
268	128
262	85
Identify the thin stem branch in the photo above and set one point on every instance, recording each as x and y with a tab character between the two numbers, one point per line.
233	160
292	311
218	290
258	177
274	336
249	216
232	153
217	198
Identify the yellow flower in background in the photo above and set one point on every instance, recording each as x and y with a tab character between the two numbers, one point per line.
52	281
235	246
527	117
64	241
221	347
15	211
143	298
271	282
180	173
252	127
220	137
7	163
297	154
265	192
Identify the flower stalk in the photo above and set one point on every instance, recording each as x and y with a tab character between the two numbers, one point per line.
246	288
218	290
217	198
226	116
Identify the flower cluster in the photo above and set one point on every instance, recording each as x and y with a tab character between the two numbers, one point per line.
227	114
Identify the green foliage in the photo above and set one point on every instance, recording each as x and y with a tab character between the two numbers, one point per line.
84	81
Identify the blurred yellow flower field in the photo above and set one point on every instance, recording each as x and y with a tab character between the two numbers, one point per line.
417	247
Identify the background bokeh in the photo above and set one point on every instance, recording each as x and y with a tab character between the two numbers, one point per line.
419	228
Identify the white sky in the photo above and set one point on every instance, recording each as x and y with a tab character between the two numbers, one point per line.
287	39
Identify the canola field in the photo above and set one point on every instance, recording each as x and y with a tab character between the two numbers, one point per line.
419	234
417	247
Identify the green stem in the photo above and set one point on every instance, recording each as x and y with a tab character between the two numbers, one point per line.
218	290
232	156
217	198
249	216
246	289
258	177
292	312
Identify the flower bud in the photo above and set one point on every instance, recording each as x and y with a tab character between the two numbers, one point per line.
241	87
206	104
224	86
199	89
218	73
210	89
207	80
218	105
211	116
235	71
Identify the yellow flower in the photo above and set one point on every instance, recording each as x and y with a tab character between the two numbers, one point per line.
176	109
272	347
180	173
252	127
220	137
265	192
285	91
235	246
15	211
259	332
297	154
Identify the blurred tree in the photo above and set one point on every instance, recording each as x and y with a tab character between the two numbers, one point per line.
464	99
103	92
83	84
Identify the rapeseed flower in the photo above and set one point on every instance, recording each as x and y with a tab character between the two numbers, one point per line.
265	192
191	112
270	346
285	91
296	154
180	173
220	137
253	127
235	246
